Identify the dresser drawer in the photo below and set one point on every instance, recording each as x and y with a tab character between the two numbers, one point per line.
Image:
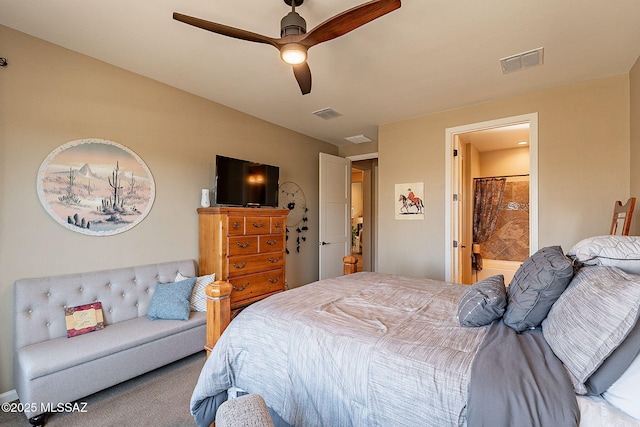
271	243
255	286
257	225
247	264
235	225
278	224
243	245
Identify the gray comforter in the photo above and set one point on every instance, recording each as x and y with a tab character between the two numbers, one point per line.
367	349
516	380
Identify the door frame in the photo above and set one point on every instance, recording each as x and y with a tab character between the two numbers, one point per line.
370	214
453	175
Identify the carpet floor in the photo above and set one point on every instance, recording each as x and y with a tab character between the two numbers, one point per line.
159	398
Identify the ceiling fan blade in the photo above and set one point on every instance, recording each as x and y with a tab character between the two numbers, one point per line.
303	76
225	30
348	20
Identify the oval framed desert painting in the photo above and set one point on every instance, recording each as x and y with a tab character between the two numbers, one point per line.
95	187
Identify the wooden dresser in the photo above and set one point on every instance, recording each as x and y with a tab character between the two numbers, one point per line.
245	247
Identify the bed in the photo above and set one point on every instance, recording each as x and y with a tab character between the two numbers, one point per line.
559	347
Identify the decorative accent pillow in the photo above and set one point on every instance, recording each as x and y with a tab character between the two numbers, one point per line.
198	297
171	300
484	302
536	285
591	318
615	251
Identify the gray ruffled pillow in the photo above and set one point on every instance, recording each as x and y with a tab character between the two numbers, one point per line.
484	302
537	284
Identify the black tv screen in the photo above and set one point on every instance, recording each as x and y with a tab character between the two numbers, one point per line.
245	183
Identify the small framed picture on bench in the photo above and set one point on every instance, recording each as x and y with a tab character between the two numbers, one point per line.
83	318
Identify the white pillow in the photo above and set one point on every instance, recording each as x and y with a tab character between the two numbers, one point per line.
613	251
623	394
198	297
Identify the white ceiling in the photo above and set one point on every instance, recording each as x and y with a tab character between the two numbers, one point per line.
427	56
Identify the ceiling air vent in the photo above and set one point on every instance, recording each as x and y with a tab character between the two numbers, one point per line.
522	60
358	139
327	113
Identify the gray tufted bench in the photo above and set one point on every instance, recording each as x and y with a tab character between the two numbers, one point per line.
51	369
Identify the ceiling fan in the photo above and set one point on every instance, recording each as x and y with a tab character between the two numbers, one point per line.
294	40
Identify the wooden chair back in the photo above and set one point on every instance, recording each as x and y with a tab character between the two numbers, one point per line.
622	213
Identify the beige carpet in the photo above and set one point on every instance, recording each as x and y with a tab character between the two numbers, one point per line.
157	399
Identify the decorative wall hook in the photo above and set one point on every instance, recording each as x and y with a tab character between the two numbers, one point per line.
3	62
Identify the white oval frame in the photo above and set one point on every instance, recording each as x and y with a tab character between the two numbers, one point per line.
60	195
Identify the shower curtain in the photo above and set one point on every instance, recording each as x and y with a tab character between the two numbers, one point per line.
486	205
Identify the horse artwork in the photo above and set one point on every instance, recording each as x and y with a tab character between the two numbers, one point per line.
409	197
408	203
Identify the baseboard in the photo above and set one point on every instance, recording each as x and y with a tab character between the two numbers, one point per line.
8	396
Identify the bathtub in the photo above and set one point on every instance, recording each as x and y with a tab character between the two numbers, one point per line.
491	267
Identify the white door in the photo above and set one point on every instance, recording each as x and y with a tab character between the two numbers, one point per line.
335	214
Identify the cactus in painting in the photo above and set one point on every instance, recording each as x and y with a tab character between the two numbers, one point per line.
78	222
114	182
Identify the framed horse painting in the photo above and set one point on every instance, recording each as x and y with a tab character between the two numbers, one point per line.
409	200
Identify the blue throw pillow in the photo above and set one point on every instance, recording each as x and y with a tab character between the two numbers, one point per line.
172	300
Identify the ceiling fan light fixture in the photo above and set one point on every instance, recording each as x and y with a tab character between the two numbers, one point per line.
293	53
292	25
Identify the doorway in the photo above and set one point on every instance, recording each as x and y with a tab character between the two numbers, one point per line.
363	235
502	153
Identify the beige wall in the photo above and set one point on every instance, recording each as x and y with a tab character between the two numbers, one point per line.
584	166
365	148
50	96
634	82
513	161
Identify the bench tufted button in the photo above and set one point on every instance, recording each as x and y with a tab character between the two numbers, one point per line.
111	310
48	324
122	295
48	294
29	311
137	305
81	289
147	290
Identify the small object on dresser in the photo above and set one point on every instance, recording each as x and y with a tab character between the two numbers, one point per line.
204	198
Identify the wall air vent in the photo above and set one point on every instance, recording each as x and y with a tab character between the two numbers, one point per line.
522	60
358	139
327	113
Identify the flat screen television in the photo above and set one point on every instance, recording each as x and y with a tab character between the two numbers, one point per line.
245	183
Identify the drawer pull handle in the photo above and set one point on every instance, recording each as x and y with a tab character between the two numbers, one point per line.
260	225
276	280
243	245
241	288
272	242
243	264
274	260
278	224
236	225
